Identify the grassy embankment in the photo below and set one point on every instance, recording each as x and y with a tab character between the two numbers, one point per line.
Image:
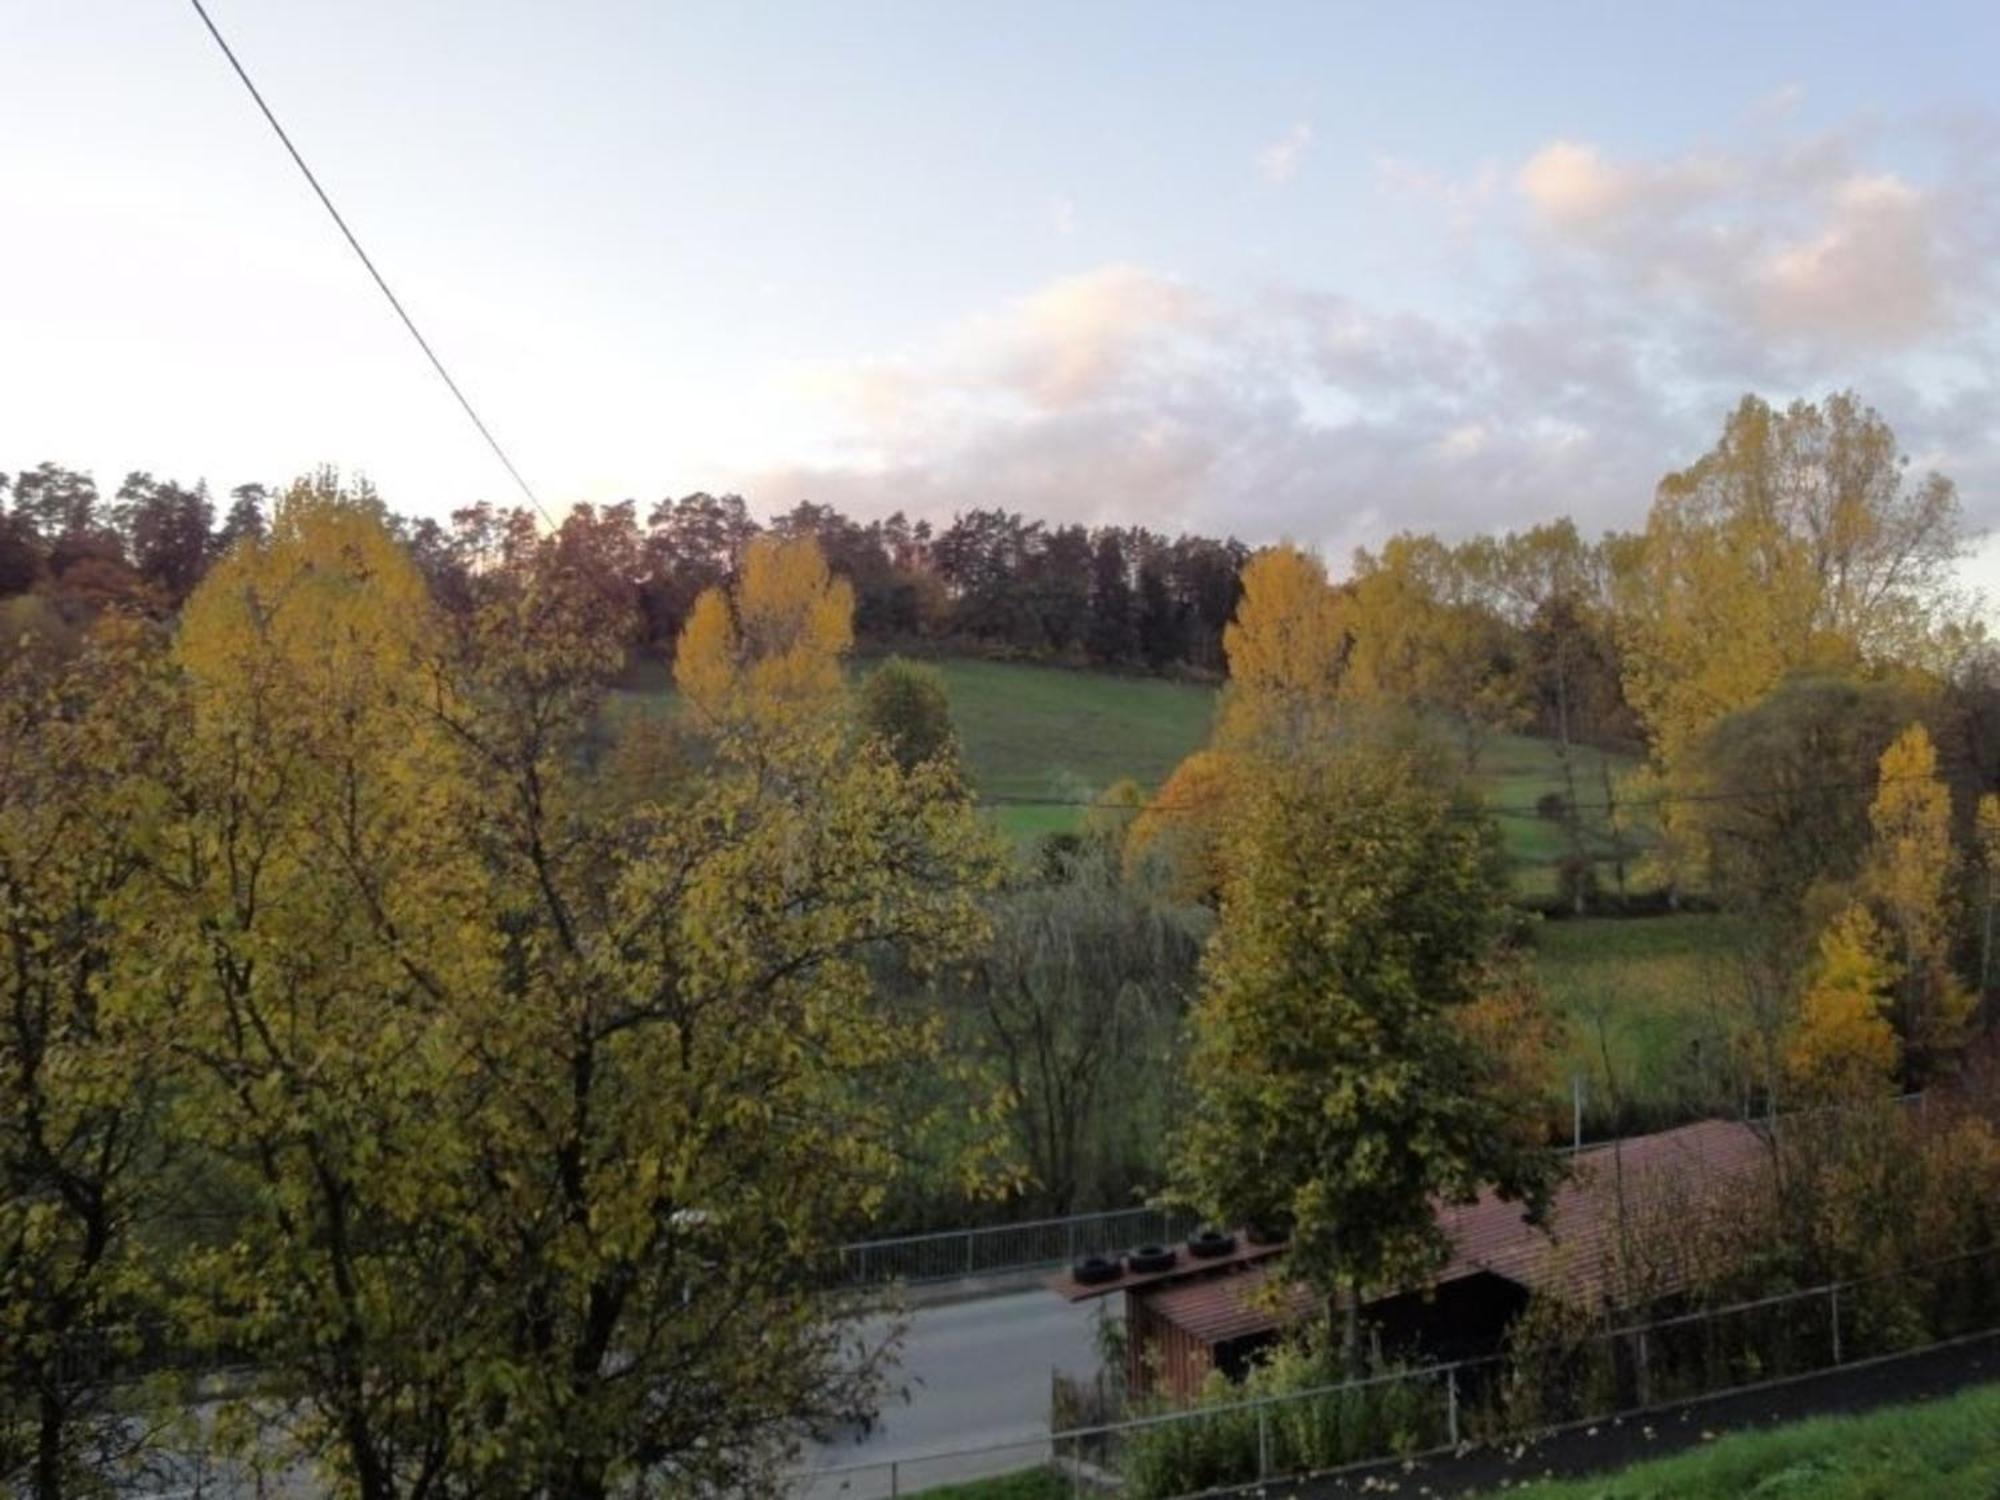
1943	1450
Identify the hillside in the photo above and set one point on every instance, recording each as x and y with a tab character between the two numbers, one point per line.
1064	736
1067	736
1949	1450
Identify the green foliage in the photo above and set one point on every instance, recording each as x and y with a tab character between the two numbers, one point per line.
1031	1484
1073	1004
1947	1449
1789	780
1335	1421
905	705
80	1087
1335	1094
536	1107
1650	1008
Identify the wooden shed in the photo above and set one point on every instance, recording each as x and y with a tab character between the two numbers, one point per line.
1618	1218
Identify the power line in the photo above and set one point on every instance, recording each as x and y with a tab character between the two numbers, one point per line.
1661	799
380	281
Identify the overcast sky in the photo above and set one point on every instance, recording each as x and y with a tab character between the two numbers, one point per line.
1319	270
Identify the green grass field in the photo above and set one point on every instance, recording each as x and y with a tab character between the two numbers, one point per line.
1642	999
1943	1450
1067	736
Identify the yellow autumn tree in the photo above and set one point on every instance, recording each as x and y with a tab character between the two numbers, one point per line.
1287	651
1842	1045
1986	828
1419	635
1796	544
1175	844
1911	877
769	649
313	921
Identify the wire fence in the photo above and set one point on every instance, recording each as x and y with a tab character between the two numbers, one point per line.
1000	1248
1436	1409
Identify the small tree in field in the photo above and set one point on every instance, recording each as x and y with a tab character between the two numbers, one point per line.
905	705
1339	1086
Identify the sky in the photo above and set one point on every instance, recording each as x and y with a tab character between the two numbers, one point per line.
1320	271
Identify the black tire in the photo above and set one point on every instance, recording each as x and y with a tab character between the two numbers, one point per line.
1263	1234
1150	1258
1210	1244
1094	1270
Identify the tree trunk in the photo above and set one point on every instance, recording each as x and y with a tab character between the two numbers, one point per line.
48	1472
1350	1334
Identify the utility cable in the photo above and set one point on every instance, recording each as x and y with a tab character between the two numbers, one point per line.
380	281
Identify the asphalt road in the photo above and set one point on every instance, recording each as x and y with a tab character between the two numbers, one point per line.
978	1375
974	1374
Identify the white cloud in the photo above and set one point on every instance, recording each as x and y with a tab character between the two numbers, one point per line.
1867	271
1279	161
1628	303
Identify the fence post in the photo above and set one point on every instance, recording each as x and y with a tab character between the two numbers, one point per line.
895	1477
1834	1298
1069	1237
1642	1377
1451	1404
968	1252
1263	1442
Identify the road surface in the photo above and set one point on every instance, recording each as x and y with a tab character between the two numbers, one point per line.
978	1376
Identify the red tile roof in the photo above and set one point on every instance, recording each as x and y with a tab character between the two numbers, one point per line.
1658	1179
1661	1179
1229	1307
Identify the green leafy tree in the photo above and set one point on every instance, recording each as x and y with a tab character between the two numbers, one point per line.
1790	780
80	1085
1074	1002
683	1075
1338	1093
906	706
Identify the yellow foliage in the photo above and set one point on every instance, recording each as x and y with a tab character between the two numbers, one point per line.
769	651
1912	875
1986	827
1417	636
1177	841
1792	546
1842	1045
1287	651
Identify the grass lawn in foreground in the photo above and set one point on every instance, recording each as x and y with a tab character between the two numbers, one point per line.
1939	1450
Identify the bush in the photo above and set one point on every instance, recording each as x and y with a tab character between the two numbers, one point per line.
1340	1423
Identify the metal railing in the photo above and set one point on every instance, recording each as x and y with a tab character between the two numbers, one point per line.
994	1250
950	1254
1434	1410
